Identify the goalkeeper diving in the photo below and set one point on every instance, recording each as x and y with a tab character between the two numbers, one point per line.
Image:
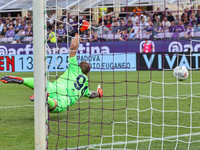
70	86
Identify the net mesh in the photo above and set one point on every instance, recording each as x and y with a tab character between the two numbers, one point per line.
143	106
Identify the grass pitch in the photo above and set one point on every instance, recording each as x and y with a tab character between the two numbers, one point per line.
107	120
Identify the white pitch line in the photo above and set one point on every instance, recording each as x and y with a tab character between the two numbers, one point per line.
17	106
136	141
77	102
107	100
143	97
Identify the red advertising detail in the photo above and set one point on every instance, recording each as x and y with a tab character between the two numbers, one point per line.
10	61
1	63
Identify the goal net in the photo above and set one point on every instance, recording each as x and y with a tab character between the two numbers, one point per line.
143	105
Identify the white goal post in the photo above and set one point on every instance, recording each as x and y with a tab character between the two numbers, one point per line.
39	52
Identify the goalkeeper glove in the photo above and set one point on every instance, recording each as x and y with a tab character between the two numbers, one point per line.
100	91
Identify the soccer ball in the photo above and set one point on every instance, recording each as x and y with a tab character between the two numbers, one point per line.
181	73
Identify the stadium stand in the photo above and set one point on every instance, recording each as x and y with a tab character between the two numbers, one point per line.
156	25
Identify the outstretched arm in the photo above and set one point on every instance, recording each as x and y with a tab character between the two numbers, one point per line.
75	42
74	46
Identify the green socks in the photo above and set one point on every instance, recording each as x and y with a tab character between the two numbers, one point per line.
28	82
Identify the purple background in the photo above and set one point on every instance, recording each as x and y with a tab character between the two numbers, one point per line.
105	47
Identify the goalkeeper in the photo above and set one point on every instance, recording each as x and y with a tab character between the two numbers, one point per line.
70	86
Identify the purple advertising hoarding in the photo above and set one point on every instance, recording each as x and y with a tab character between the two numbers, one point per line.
105	47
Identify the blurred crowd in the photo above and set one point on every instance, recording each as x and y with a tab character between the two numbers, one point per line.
15	29
124	26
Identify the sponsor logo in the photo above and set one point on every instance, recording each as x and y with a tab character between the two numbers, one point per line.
176	46
93	49
7	63
3	50
28	49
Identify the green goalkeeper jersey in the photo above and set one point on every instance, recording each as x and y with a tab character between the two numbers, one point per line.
74	81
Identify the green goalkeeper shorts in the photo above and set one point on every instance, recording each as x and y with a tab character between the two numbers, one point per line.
59	93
